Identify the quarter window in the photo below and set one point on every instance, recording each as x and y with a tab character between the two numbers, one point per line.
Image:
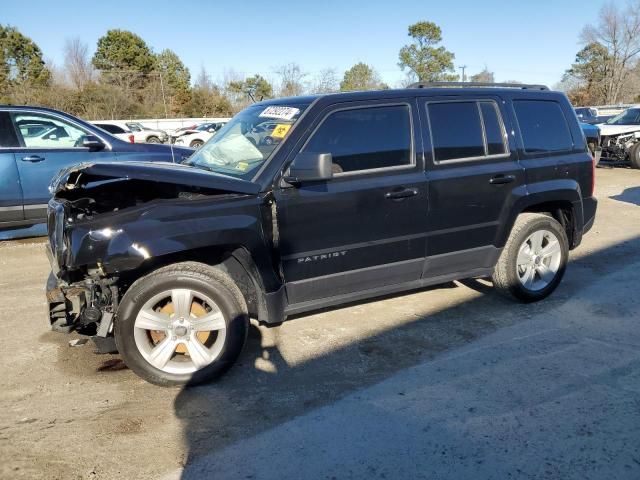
543	126
365	138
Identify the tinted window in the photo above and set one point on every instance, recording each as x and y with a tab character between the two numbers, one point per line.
110	128
8	137
365	138
492	128
456	130
543	126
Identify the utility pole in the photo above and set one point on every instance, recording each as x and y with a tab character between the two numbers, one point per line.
463	68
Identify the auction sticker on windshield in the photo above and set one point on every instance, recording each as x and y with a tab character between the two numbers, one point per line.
282	113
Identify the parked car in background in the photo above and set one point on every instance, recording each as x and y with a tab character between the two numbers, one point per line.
263	133
592	135
141	133
201	134
117	131
620	138
36	143
178	132
591	115
371	193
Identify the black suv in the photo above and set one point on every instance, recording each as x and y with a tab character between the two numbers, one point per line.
363	194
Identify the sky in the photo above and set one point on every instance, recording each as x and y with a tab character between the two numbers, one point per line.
532	42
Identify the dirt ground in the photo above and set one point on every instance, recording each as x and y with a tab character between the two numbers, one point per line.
66	412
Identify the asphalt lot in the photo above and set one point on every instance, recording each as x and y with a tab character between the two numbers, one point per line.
449	382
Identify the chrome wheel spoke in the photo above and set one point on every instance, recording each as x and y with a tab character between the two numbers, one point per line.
528	276
209	322
524	255
200	355
545	273
152	320
536	241
182	299
162	352
550	249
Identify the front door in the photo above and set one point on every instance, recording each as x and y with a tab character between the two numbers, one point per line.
364	229
49	143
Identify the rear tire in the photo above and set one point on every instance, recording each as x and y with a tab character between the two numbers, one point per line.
534	259
153	139
184	323
634	156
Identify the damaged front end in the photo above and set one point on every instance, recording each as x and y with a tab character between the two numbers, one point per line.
106	221
617	147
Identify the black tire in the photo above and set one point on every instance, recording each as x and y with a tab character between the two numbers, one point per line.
153	139
268	141
506	278
634	155
202	278
196	144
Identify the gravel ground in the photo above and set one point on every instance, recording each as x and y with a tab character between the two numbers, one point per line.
448	382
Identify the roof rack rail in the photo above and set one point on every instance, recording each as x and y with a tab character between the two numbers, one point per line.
522	86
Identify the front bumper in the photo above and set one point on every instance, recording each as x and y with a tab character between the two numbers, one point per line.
66	304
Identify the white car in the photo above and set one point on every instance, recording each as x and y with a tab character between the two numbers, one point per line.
140	133
198	137
116	131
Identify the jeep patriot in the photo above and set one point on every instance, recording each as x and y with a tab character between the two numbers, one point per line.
359	195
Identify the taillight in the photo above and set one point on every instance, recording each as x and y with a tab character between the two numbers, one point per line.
132	139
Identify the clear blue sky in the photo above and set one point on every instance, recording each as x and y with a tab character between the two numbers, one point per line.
528	41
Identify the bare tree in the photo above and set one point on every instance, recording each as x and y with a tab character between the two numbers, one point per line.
326	81
77	63
618	30
291	80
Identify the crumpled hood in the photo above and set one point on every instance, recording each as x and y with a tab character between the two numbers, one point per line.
172	173
608	130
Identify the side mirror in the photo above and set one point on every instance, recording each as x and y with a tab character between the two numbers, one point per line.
310	167
92	143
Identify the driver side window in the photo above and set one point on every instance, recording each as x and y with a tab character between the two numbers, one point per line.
44	131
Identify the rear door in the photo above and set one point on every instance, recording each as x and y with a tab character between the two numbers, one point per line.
474	177
48	143
365	228
10	190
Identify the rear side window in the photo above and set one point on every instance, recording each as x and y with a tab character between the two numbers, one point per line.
466	130
365	138
8	137
543	126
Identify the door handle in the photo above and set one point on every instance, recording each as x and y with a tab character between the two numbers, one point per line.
33	158
400	194
502	179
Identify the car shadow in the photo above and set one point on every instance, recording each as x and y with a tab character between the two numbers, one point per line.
628	195
264	389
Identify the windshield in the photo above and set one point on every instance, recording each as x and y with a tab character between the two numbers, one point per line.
630	116
248	140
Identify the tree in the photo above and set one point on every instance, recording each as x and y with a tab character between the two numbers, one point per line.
255	88
291	80
485	76
123	56
21	61
206	99
77	64
361	77
428	62
326	81
175	80
590	73
618	31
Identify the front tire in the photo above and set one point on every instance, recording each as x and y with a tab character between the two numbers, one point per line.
534	259
184	323
153	139
196	144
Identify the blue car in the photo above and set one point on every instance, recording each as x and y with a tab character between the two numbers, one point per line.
36	143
